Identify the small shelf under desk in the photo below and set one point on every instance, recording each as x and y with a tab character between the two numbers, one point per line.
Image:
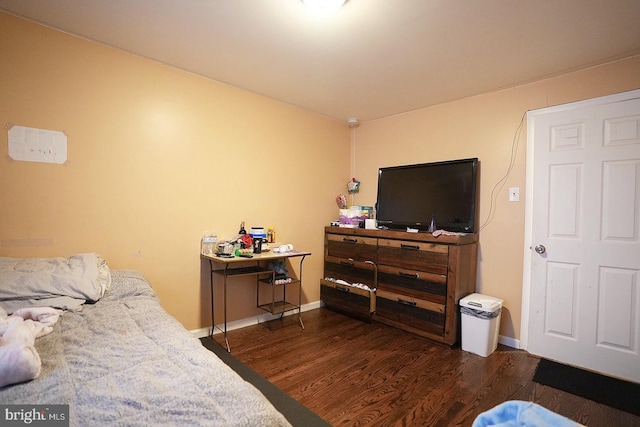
265	279
281	306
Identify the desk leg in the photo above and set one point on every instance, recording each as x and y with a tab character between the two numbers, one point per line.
300	295
226	341
213	317
273	292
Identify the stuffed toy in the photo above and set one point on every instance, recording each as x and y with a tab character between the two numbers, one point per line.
19	360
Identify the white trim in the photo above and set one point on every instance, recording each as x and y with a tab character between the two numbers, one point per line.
528	216
528	233
255	320
602	100
509	342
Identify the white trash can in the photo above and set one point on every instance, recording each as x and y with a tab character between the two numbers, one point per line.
480	323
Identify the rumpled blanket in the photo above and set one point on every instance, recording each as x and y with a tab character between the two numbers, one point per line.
124	361
516	413
19	360
64	283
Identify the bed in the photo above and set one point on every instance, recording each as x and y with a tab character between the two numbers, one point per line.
120	359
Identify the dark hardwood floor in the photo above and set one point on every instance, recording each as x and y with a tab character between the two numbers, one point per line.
353	373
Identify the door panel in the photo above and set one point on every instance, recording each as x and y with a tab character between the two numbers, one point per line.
619	201
561	307
564	194
584	301
616	308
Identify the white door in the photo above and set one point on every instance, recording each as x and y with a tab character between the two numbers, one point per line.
583	235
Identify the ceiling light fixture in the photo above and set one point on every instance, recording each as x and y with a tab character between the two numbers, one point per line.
323	7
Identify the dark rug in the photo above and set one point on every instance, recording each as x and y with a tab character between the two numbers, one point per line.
294	412
609	391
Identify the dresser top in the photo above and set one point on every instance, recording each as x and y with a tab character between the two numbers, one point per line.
449	239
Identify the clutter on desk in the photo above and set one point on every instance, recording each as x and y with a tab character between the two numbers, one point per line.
271	235
257	232
246	241
258	235
256	241
243	251
284	248
208	243
257	245
242	230
225	248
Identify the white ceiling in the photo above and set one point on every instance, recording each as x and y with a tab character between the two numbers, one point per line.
373	59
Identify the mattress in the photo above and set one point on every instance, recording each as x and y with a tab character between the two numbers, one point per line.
123	360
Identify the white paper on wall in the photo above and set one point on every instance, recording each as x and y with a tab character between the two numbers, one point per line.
37	145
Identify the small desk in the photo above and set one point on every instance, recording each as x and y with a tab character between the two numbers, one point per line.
240	266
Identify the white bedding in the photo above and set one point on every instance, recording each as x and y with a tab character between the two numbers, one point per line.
19	360
64	283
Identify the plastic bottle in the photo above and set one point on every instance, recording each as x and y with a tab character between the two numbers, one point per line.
208	244
203	244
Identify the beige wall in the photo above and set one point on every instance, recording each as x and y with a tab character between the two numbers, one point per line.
485	127
156	158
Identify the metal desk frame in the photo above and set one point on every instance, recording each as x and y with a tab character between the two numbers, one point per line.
274	307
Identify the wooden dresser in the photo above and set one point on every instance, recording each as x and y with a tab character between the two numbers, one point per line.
418	278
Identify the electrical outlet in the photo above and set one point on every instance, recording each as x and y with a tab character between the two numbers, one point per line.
514	194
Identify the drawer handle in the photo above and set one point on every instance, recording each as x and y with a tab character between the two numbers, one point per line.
409	303
410	247
412	275
349	240
347	263
340	288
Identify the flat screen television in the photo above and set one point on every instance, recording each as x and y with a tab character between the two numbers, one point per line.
410	196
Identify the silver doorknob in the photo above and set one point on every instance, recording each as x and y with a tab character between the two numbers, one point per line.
540	249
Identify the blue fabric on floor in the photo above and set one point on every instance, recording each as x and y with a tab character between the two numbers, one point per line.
516	413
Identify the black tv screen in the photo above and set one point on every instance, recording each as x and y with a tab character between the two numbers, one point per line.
411	195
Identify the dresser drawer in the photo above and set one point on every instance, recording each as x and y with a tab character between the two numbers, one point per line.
355	248
349	300
350	271
418	256
416	284
414	315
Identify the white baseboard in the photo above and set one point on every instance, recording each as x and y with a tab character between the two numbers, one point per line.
509	342
250	321
255	320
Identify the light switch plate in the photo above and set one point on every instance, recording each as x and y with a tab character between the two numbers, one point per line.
514	194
